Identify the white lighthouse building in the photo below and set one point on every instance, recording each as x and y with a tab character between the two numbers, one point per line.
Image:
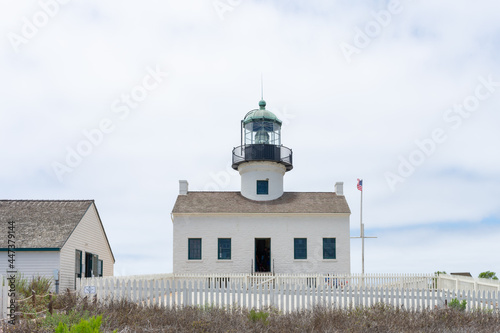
261	228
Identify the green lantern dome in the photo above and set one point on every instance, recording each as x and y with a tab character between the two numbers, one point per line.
261	114
261	139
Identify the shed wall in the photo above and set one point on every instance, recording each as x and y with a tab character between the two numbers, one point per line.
88	236
32	263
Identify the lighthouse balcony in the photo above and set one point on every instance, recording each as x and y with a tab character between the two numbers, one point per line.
262	152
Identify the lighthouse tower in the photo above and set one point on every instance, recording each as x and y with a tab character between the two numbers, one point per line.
261	159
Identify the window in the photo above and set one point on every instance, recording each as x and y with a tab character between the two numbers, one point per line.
224	249
194	250
329	251
99	267
95	264
78	265
262	187
300	248
89	264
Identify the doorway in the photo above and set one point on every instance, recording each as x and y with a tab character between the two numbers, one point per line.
262	255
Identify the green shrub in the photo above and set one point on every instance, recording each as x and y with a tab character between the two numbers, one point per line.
457	305
256	316
488	275
93	325
73	317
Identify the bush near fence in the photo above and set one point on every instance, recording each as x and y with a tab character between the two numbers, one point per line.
125	316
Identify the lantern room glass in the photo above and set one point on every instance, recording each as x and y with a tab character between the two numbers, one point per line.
262	132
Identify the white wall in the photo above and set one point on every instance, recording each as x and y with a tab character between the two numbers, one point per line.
42	263
252	171
243	229
88	236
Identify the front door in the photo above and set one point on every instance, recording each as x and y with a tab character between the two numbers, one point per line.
262	254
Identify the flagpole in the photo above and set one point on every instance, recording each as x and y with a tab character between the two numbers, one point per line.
362	231
362	235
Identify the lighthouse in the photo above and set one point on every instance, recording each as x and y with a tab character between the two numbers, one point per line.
261	228
261	159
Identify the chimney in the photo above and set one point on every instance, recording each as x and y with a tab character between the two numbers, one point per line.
339	188
183	187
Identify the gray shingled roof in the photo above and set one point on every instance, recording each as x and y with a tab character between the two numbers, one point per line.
234	202
41	224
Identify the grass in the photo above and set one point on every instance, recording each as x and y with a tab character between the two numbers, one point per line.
69	319
125	316
24	288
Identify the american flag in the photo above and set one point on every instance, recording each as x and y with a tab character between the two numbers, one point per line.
360	184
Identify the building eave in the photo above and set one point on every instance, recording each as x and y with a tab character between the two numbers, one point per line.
35	249
260	213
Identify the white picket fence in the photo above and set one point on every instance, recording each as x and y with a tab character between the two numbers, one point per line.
285	298
285	292
400	281
4	298
457	282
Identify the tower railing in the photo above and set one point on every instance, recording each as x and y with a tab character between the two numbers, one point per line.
262	152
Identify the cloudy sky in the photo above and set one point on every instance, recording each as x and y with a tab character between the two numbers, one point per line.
116	101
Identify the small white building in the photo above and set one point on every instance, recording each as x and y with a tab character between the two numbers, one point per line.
59	239
262	228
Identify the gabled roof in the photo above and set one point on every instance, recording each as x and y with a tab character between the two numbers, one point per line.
41	224
235	203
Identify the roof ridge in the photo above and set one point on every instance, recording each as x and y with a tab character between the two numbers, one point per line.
213	191
235	202
42	223
240	192
49	200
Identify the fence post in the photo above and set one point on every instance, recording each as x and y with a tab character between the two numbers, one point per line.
50	302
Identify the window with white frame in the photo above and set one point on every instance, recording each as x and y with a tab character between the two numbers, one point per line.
329	248
224	249
300	248
194	248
